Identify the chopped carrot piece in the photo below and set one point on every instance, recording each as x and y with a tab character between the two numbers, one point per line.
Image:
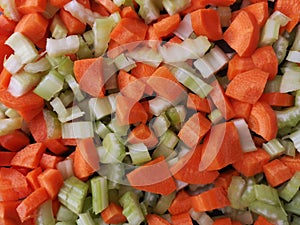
51	180
112	214
153	176
209	200
4	75
278	99
7	221
32	178
96	7
74	26
276	172
181	203
81	168
221	147
142	70
225	178
263	121
195	5
252	162
260	12
31	203
243	46
89	153
153	219
38	128
248	86
56	146
241	109
59	3
222	221
14	141
142	133
32	6
167	25
8	209
262	221
49	161
7	25
293	163
218	2
236	222
197	103
238	65
129	12
194	129
206	22
182	219
6	157
30	156
109	5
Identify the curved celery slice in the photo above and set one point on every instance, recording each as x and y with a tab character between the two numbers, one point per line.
45	214
270	32
280	17
288	191
64	214
10	9
81	130
274	148
85	219
280	47
294	205
100	107
13	64
164	203
75	87
8	125
63	46
185	29
139	153
58	28
174	6
99	194
288	117
148	10
235	191
290	81
39	66
246	140
115	150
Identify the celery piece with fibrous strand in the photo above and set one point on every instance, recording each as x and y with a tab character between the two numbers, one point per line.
8	125
80	129
73	112
66	168
169	139
65	67
160	125
288	117
280	47
45	214
41	65
270	32
158	105
50	85
294	205
174	6
84	51
10	9
124	63
274	148
289	190
146	55
13	64
23	47
75	87
118	129
63	46
115	150
101	129
85	219
176	115
58	28
201	217
235	191
295	137
114	172
139	153
65	214
148	10
164	203
280	17
99	194
59	107
100	107
266	194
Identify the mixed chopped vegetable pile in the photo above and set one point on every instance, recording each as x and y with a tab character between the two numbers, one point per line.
149	112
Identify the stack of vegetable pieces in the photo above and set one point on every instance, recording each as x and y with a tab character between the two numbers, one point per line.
156	112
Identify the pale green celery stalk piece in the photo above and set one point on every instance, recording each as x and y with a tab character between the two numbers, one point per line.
192	82
100	107
290	81
119	2
215	116
290	149
53	124
169	139
22	82
273	213
199	45
269	33
132	208
115	127
65	67
102	29
266	194
99	194
115	150
173	7
73	193
148	10
273	85
146	55
274	148
89	37
176	115
167	152
113	171
73	112
50	85
67	97
293	56
185	28
41	65
246	140
297	98
81	130
23	47
280	17
124	63
101	129
75	87
66	223
112	101
211	62
158	105
295	220
289	66
280	47
11	113
8	125
85	219
288	117
58	28
295	137
289	190
235	191
64	214
150	199
45	214
160	125
63	46
59	107
201	217
294	205
139	153
13	64
164	203
248	195
10	9
84	51
296	43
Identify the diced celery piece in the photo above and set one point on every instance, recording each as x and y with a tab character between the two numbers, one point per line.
235	191
174	6
148	10
131	208
66	168
289	190
75	87
102	29
89	37
293	56
288	117
66	97
13	64
10	9
66	223
296	43
85	219
114	172
297	98
246	140
8	125
39	66
73	113
270	32
45	214
112	101
100	107
167	152
50	85
280	17
248	195
274	148
63	46
65	67
295	220
169	139
295	137
139	153
164	203
185	28
158	105
11	113
212	62
294	205
22	47
115	127
22	82
53	124
115	150
177	115
266	194
81	130
146	55
59	107
280	47
273	85
50	11
101	129
124	63
84	51
215	116
58	28
99	194
201	217
65	214
160	125
290	81
290	149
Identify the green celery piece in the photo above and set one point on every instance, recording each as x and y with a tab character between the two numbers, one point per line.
11	113
280	47
290	149
169	139
41	65
162	150
248	195
63	46
64	214
65	67
115	127
160	125
148	10
100	107
75	87
235	191
10	10
215	116
295	220
84	51
45	214
270	32
73	113
85	219
274	148
58	28
89	37
132	208
174	6
150	199
297	98
295	137
139	153
66	223
53	124
294	205
266	194
101	129
158	105
176	115
288	117
124	63
115	150
201	217
273	85
8	125
296	41
288	191
164	203
80	129
290	81
88	203
99	194
146	55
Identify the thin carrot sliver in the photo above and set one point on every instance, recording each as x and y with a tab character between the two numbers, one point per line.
278	99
